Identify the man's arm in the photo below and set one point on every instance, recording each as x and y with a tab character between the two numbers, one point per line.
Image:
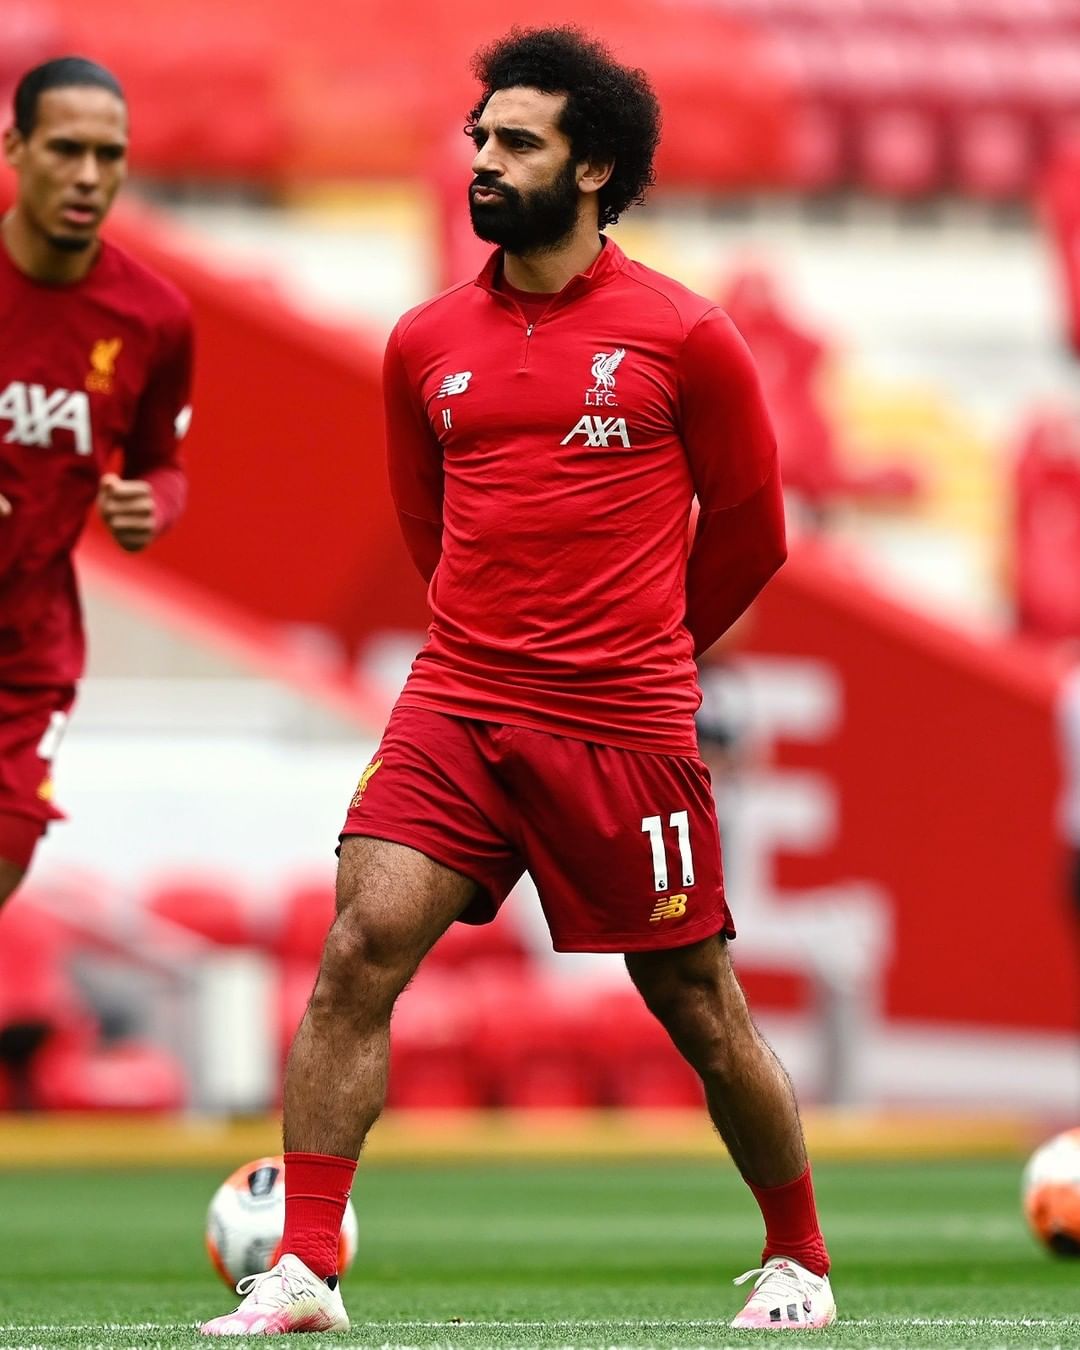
740	539
153	490
414	457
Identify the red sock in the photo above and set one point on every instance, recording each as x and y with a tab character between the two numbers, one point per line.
791	1223
317	1187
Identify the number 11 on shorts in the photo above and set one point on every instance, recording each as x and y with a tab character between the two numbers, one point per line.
679	821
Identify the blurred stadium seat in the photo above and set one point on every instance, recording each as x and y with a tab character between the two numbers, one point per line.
51	1055
303	920
640	1066
210	906
488	947
537	1043
787	87
123	1076
434	1064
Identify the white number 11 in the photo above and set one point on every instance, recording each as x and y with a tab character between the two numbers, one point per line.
653	827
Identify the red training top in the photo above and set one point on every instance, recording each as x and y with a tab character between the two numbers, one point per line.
543	474
86	369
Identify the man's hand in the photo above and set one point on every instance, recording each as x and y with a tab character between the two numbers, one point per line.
5	506
127	508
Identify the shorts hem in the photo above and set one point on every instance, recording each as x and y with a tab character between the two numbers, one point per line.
648	942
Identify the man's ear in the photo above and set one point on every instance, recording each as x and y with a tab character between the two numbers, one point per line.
14	145
592	177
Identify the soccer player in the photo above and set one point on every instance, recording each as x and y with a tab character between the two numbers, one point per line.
95	361
548	425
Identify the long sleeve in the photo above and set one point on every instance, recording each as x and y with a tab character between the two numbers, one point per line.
414	458
152	450
740	538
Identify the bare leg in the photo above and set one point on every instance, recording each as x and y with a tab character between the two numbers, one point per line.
392	905
694	993
10	876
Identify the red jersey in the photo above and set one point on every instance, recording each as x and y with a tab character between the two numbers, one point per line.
86	369
543	474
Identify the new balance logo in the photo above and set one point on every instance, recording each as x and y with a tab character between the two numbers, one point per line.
34	415
455	384
669	907
599	431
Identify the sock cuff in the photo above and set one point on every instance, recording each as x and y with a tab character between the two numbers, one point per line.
325	1159
803	1179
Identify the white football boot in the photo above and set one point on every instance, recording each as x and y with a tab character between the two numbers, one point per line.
786	1297
287	1298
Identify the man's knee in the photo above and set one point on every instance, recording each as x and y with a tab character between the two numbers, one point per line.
392	905
701	972
693	992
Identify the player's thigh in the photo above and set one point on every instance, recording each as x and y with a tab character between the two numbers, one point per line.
10	873
624	847
394	902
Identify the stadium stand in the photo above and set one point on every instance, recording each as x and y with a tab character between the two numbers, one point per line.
902	99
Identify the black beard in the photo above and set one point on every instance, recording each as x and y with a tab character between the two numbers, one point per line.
527	224
66	243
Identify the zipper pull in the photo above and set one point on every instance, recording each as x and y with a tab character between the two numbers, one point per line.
528	331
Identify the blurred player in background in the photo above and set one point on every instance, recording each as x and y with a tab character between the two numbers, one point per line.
95	359
548	425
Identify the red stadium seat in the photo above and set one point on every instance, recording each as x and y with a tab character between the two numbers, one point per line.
208	906
296	979
993	154
898	149
818	148
435	1078
34	983
642	1069
126	1076
303	922
297	939
433	1062
536	1045
496	945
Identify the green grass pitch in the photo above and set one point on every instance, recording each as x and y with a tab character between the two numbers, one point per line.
925	1254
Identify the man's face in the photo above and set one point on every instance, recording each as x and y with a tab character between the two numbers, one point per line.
71	165
524	193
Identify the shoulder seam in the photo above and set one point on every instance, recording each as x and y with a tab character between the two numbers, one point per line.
685	332
425	305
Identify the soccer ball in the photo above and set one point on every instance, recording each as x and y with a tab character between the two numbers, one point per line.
246	1220
1051	1192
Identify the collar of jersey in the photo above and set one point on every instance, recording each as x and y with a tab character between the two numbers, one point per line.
607	264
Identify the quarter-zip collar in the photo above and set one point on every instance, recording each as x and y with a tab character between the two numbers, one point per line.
607	265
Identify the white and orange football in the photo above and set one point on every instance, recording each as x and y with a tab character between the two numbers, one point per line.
1051	1193
246	1220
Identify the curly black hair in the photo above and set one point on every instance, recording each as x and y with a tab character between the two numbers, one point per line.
611	113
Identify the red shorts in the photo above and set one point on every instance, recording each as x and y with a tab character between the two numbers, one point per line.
623	846
31	725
